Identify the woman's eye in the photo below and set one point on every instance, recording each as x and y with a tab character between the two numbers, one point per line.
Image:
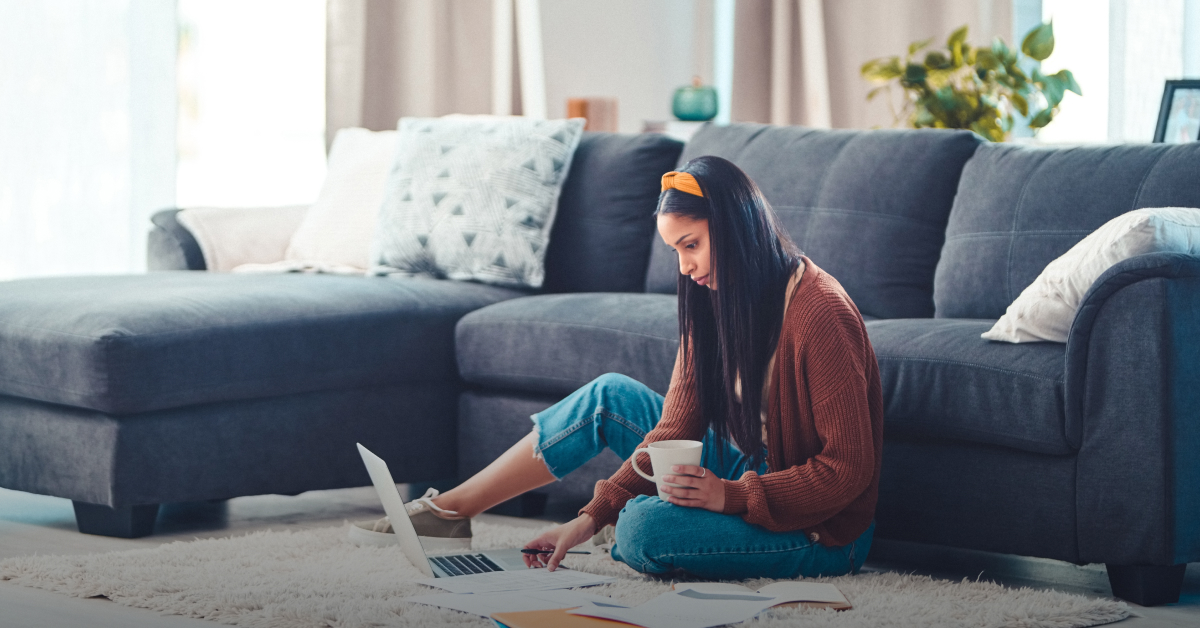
690	246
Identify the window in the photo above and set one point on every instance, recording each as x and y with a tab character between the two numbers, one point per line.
114	110
1121	52
251	102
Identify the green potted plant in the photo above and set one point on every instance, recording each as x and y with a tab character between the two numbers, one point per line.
964	87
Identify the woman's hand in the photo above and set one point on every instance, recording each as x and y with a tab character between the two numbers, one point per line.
558	540
704	489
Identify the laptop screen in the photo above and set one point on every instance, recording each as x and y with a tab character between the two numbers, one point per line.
410	544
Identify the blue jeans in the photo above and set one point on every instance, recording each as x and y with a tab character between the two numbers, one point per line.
654	536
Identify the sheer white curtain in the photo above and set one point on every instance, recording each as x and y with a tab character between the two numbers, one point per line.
87	132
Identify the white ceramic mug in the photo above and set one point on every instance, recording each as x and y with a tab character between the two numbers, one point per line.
663	455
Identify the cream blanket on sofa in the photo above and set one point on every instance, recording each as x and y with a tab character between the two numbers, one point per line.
231	237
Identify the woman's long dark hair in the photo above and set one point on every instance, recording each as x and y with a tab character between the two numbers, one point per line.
734	328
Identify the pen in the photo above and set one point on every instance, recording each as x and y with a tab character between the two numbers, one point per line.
528	550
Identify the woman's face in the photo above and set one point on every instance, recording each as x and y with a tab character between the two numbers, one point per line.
690	240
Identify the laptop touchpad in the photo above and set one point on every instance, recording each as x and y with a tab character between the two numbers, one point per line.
508	558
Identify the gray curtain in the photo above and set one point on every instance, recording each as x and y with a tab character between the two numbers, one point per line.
391	58
853	32
795	61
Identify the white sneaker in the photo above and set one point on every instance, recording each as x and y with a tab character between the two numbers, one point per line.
439	529
605	538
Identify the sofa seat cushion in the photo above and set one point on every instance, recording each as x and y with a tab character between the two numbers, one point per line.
128	344
941	379
556	343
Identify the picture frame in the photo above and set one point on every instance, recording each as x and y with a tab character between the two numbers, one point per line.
1179	113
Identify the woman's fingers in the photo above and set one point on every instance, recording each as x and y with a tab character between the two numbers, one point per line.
680	491
684	496
685	480
557	541
689	469
698	488
556	557
553	559
569	535
545	542
689	503
534	560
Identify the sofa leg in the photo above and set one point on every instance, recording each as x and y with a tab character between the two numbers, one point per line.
129	522
1147	585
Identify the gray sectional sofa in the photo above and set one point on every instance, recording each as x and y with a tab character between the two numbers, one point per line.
122	393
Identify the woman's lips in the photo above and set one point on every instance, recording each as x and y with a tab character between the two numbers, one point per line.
702	281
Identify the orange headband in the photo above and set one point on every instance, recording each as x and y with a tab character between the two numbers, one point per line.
683	182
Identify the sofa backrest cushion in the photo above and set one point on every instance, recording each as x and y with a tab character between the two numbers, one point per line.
869	207
600	241
1019	208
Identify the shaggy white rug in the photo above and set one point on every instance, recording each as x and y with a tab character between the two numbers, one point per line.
318	578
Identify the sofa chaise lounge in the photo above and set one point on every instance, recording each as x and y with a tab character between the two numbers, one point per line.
122	393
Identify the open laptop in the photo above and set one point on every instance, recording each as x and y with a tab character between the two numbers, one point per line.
441	566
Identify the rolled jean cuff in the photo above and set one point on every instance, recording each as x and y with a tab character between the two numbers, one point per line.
611	412
537	439
543	448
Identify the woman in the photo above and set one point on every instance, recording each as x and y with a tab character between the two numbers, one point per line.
789	477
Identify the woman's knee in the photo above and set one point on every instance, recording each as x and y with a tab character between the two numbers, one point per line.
611	382
626	396
646	530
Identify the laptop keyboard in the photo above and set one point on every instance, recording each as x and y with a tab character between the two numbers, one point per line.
465	564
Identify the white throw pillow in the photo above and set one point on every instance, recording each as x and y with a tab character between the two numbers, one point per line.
474	198
338	230
1046	309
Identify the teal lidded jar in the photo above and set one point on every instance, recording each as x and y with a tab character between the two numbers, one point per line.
695	103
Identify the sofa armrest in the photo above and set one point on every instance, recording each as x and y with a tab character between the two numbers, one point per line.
170	246
1132	404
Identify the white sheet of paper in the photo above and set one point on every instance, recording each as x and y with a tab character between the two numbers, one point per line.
486	604
783	592
671	610
702	605
521	580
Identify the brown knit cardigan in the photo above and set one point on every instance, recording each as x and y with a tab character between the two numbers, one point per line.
824	429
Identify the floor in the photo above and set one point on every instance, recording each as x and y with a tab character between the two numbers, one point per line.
31	524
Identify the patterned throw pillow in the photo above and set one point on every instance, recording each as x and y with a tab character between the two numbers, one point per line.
473	198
